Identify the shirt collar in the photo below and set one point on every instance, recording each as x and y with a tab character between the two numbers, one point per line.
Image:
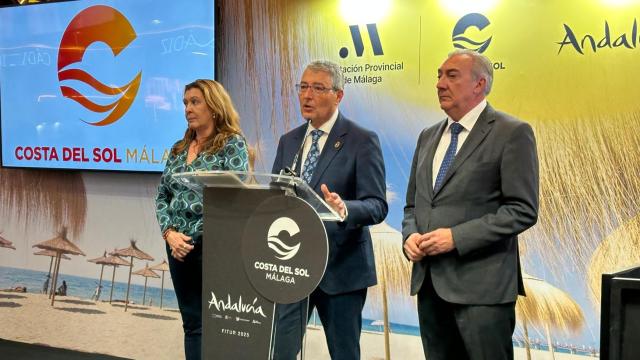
469	119
327	126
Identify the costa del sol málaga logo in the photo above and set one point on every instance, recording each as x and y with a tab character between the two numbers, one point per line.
105	24
462	41
278	227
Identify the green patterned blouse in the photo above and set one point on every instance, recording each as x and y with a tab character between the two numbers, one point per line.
178	206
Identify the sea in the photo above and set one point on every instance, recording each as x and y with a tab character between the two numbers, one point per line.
84	288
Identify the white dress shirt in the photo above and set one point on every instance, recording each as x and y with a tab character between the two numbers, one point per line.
467	122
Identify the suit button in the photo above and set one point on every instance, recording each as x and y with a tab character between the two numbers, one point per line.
433	206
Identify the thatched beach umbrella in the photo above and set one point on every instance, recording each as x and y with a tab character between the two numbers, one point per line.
394	270
163	266
100	261
548	307
115	261
6	243
619	250
133	252
35	196
61	245
51	254
147	273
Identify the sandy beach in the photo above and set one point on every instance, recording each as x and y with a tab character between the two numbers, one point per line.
80	324
153	333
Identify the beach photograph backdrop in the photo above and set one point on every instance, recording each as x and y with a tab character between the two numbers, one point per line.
568	68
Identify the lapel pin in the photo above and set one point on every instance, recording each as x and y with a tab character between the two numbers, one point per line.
337	144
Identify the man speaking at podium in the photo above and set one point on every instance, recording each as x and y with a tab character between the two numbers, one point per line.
343	163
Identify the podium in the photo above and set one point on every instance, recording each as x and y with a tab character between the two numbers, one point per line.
263	243
619	314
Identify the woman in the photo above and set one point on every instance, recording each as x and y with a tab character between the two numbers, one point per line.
213	141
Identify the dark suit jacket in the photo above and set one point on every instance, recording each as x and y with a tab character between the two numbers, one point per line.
489	196
351	165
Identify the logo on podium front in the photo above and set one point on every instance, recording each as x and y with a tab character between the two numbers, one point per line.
283	227
289	265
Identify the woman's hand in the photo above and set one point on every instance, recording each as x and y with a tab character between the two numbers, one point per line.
178	243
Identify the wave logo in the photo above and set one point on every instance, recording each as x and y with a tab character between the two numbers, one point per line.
290	228
98	23
470	20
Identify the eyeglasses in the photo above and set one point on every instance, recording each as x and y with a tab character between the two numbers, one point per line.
315	89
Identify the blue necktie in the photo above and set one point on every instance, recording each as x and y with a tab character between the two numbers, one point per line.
312	157
449	155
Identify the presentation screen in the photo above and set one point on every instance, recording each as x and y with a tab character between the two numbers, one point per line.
99	84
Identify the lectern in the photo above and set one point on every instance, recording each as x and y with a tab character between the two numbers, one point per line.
619	314
263	243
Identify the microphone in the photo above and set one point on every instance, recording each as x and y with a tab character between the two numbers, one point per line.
291	171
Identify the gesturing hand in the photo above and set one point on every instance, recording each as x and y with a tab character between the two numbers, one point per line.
334	200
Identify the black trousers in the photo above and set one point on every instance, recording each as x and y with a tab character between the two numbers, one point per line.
187	283
460	331
341	317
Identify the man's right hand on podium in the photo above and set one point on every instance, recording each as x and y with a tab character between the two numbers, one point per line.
179	244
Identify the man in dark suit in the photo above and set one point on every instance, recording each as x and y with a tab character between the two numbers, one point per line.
343	163
473	188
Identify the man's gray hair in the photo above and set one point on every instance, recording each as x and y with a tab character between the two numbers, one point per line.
481	67
332	69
